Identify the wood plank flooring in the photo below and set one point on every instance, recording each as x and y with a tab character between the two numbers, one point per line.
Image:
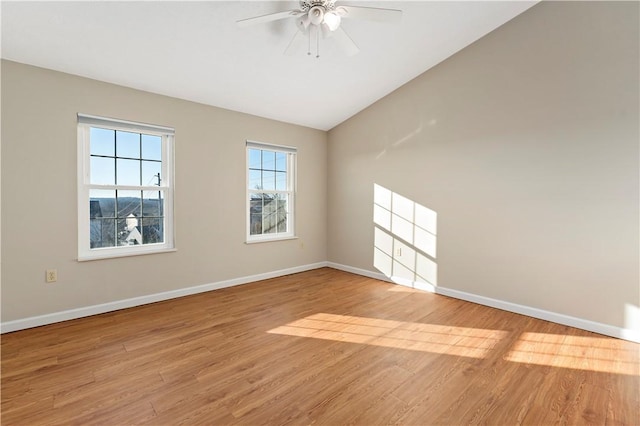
320	347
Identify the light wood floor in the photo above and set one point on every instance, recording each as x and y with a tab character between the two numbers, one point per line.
323	347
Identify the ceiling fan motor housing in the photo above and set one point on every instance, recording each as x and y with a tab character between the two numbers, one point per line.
327	5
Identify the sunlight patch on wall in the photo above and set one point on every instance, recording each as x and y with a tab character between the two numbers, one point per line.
632	322
433	338
575	352
404	240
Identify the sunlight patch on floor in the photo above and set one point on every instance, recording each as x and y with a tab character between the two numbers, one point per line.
434	338
576	352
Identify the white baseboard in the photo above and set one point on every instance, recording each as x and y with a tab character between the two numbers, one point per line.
583	324
39	320
358	271
605	329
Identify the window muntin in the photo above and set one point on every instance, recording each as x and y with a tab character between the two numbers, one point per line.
270	192
125	188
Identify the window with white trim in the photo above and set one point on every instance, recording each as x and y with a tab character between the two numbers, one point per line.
270	192
125	188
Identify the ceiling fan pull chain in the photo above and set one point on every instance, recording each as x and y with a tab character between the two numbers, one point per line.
317	44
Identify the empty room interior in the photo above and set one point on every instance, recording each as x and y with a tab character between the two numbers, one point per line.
320	212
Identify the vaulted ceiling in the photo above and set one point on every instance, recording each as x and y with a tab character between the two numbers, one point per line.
195	50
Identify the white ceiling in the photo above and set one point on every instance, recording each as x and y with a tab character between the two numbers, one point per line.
195	51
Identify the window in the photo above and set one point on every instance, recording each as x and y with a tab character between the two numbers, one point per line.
270	192
125	188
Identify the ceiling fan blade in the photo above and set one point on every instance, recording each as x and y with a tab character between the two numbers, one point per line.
303	22
369	13
345	42
296	43
268	18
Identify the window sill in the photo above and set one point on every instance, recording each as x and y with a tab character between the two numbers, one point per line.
270	240
112	254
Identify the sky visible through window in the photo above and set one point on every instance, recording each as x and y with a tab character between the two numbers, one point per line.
267	170
125	158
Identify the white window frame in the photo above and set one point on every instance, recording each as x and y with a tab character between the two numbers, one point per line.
291	154
85	252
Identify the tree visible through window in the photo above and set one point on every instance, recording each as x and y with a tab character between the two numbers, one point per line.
270	177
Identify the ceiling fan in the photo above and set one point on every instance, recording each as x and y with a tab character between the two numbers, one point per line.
323	17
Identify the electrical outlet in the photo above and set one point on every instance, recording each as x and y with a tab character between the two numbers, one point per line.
51	275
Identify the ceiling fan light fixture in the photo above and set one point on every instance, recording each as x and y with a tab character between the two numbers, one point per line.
303	23
316	15
332	20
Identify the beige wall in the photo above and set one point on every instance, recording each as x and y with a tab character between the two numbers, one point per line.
39	216
526	146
